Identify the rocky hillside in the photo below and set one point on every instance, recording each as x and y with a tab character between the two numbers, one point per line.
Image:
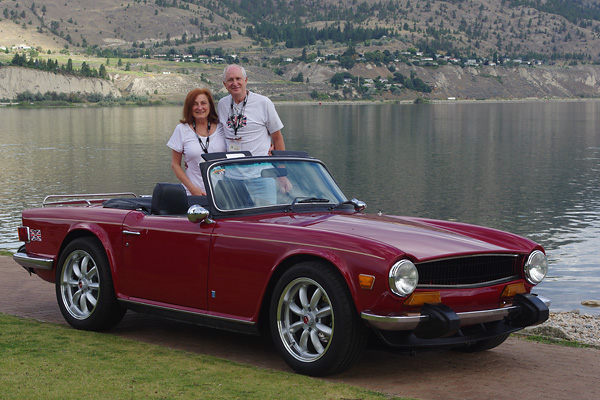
276	40
488	82
14	80
484	82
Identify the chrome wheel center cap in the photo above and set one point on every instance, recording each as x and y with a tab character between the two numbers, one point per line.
308	319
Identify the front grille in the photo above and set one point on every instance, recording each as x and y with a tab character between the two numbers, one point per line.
472	270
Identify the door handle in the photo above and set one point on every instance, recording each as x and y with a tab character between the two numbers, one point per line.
131	233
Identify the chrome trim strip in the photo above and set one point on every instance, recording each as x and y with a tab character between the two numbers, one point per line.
410	322
33	262
187	312
471	285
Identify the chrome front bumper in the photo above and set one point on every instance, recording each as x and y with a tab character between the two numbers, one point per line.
411	322
29	262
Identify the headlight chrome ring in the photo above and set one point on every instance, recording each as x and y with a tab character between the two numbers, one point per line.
403	278
536	267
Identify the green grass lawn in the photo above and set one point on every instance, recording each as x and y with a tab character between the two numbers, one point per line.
49	361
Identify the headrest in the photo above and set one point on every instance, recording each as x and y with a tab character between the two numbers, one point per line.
169	199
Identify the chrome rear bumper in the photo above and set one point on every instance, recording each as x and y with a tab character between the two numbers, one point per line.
29	262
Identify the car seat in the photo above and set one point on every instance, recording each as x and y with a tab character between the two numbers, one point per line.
169	199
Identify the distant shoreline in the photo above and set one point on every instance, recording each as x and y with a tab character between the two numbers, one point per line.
320	103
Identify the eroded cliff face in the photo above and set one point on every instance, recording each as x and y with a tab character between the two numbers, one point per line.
523	82
15	80
493	82
484	82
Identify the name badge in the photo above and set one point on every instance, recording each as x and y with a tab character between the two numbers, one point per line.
235	147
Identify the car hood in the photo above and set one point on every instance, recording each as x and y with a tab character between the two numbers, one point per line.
420	238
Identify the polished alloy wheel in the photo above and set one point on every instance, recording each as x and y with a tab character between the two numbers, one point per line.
79	284
305	319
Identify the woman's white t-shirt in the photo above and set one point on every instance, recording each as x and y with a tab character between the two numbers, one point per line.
184	140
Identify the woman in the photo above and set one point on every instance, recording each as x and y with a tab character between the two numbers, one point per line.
199	132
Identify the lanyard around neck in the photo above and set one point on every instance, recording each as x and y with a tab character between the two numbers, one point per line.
204	147
237	120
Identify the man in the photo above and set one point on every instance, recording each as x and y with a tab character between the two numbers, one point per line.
250	120
252	124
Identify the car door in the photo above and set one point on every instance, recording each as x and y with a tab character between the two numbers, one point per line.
165	260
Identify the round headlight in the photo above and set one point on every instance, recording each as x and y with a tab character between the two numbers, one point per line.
403	278
536	267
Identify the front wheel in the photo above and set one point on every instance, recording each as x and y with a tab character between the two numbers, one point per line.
314	323
84	287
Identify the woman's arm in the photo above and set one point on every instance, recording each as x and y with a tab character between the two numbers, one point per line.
176	158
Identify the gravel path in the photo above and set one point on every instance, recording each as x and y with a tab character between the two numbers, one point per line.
552	372
571	325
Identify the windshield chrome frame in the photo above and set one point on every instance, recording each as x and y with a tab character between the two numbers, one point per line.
208	166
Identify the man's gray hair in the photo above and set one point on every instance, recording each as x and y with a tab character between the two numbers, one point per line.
232	66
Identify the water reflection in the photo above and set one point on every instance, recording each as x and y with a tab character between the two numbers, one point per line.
529	168
47	151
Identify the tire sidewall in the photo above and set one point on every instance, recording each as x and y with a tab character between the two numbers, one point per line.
334	285
107	311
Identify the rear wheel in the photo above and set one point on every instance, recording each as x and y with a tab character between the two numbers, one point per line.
314	324
84	287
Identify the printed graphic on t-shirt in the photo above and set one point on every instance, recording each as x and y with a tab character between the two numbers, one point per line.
236	122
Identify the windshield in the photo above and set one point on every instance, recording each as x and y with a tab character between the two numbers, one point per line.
252	184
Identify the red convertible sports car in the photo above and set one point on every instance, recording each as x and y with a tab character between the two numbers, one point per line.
304	263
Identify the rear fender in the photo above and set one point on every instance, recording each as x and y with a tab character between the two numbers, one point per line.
92	230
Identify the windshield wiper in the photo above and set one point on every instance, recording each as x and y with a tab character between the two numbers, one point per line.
304	200
312	200
358	205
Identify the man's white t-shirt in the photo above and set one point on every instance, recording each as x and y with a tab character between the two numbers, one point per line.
184	140
259	120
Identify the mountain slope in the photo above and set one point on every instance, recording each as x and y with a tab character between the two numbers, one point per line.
483	28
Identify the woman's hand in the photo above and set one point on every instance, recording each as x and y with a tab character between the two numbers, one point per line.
197	191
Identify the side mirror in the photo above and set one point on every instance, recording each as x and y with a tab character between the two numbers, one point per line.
358	205
198	213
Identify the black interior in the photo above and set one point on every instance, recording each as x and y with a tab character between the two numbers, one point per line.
167	199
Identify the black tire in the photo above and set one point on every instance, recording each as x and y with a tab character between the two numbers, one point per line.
84	287
484	345
313	321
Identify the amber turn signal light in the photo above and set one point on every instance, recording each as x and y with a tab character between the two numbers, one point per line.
514	289
366	281
420	298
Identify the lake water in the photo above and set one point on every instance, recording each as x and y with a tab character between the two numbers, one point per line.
529	168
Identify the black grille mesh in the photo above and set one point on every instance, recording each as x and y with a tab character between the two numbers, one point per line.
469	270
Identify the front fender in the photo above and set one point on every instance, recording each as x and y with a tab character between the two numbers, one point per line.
349	264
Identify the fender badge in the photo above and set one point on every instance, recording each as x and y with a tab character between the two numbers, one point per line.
35	235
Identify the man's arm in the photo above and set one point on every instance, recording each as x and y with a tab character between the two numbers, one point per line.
279	144
277	139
